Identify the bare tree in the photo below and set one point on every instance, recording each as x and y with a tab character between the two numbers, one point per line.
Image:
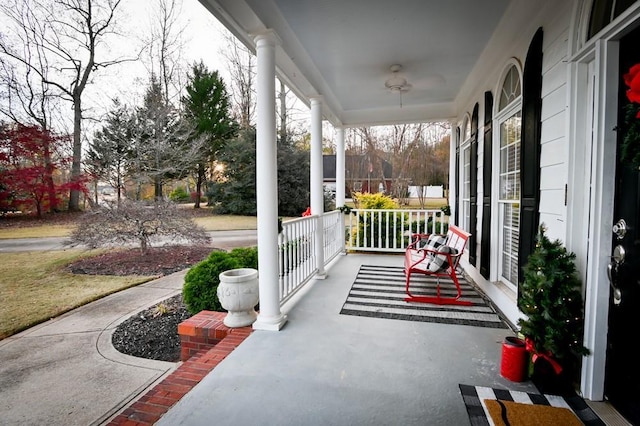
61	37
136	222
429	161
241	65
283	110
165	48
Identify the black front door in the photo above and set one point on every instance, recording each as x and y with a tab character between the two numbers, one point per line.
622	380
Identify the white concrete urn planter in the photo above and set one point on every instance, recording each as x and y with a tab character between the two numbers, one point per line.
238	294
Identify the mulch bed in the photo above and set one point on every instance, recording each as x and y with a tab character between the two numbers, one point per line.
157	261
152	333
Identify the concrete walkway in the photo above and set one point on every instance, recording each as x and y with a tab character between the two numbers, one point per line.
67	372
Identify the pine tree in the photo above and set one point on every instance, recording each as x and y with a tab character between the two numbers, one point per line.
208	113
551	299
109	154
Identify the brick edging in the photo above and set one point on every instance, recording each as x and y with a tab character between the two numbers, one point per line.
209	341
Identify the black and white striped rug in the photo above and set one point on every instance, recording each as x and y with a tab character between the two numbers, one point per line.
379	292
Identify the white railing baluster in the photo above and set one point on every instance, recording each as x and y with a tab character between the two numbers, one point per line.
296	257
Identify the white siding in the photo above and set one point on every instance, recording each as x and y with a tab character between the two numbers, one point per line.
512	40
552	153
549	177
553	161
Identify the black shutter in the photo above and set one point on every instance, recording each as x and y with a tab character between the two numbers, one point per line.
530	150
473	191
457	174
485	244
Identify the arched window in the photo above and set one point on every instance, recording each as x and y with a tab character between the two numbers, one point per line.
605	11
465	150
508	125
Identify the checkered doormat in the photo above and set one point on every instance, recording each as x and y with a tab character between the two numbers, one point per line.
474	397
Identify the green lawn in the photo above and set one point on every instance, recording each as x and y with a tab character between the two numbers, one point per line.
35	287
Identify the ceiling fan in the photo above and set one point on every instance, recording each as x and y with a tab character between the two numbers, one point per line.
396	83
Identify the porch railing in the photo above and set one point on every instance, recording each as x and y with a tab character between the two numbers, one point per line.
389	231
334	236
363	230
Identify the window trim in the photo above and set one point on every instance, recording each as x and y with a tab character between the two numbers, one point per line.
499	116
465	145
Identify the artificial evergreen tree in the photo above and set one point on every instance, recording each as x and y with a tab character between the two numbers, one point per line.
551	298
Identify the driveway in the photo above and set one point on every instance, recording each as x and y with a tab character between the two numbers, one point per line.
219	239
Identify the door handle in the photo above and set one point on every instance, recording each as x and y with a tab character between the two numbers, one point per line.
617	294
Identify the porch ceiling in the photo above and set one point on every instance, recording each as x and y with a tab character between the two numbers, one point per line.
343	51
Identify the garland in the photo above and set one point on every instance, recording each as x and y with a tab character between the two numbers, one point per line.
631	142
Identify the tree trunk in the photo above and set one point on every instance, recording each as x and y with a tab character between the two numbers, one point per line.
283	112
157	188
51	189
76	171
118	189
199	181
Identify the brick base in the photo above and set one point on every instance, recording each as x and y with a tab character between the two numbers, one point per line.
205	342
202	331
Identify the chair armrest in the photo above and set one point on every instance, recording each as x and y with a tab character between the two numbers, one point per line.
416	238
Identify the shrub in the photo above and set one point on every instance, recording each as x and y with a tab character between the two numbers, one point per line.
420	226
374	201
201	282
179	195
248	256
372	221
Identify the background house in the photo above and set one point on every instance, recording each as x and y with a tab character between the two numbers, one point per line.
361	174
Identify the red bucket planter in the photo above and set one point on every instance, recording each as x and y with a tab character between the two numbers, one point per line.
515	359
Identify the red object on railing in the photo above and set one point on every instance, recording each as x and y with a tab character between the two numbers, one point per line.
515	363
307	212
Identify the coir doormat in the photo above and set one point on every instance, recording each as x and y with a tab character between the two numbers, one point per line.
379	292
500	407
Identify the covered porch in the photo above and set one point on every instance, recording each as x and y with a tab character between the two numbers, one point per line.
326	368
529	90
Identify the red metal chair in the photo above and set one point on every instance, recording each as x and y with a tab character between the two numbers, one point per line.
437	256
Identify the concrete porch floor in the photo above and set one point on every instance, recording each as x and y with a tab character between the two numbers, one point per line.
324	368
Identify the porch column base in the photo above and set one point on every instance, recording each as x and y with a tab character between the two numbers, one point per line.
270	323
320	276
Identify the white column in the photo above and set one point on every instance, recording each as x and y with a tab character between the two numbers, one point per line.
270	317
452	169
340	180
340	171
316	178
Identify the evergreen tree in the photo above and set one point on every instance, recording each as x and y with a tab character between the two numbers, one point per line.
110	151
293	179
551	298
235	191
207	112
161	151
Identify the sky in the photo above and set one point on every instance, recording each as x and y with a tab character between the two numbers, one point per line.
202	37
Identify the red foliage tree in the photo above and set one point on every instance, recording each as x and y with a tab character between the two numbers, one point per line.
29	169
